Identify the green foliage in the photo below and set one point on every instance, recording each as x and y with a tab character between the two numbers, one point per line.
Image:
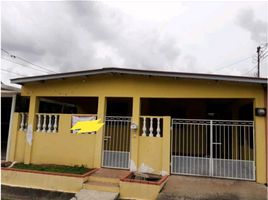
53	168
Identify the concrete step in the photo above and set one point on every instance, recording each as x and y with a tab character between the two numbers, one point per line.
85	194
103	179
101	186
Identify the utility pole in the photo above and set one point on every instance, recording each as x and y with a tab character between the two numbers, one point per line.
258	60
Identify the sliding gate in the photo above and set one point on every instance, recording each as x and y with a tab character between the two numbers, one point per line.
217	148
116	142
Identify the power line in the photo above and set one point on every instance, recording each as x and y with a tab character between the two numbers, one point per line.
22	65
23	59
5	70
250	70
5	51
234	63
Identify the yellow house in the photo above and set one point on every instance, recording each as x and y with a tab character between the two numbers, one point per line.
158	122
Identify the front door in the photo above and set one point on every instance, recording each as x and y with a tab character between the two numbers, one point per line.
116	142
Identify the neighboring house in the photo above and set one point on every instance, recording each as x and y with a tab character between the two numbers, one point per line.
159	122
8	101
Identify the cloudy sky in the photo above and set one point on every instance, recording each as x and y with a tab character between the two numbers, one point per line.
203	37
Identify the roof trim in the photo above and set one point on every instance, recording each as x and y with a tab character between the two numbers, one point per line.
183	75
8	88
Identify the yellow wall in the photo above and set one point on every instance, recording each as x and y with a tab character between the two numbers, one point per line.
41	181
158	87
150	151
17	140
63	149
131	190
20	146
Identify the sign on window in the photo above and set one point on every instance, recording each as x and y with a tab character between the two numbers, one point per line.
76	119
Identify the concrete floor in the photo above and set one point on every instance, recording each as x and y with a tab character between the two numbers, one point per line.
201	188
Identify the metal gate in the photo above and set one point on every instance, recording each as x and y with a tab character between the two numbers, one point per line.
116	142
217	148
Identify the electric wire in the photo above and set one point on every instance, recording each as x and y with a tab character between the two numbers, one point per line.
234	63
15	73
23	59
250	70
23	65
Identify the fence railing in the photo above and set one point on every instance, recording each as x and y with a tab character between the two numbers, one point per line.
23	121
47	123
218	148
151	126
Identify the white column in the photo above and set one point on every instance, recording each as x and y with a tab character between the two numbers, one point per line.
144	127
38	123
158	127
49	123
10	124
44	123
151	127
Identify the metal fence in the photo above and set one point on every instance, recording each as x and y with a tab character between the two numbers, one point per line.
218	148
116	142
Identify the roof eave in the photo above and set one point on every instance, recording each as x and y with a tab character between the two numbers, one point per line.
141	72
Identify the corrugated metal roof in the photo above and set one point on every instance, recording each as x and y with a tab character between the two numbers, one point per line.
126	71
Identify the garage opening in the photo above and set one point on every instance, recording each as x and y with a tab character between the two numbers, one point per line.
210	137
223	109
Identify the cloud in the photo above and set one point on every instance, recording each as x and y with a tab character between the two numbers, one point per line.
83	35
80	35
257	28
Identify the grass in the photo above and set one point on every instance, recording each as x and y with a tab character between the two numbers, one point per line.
53	168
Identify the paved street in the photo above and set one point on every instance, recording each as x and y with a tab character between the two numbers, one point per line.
201	188
15	193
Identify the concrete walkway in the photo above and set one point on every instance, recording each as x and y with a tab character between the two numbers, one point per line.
94	195
201	188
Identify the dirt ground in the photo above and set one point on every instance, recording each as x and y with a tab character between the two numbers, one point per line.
202	188
16	193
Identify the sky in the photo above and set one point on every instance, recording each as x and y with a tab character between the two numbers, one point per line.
200	37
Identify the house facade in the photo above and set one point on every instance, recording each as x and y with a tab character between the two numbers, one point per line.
157	122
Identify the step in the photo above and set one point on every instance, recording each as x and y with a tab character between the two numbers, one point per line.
101	186
103	179
85	194
111	173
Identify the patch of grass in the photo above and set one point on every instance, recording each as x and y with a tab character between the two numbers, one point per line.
53	168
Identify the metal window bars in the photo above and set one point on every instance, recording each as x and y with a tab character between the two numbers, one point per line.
217	148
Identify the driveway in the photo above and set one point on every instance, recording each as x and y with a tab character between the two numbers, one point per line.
201	188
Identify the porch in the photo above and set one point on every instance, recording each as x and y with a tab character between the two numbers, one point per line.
137	136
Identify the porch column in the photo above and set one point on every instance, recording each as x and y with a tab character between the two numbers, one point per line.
33	109
99	135
13	105
260	145
134	150
166	146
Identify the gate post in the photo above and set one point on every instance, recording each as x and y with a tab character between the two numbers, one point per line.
260	144
134	142
33	109
166	146
99	135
